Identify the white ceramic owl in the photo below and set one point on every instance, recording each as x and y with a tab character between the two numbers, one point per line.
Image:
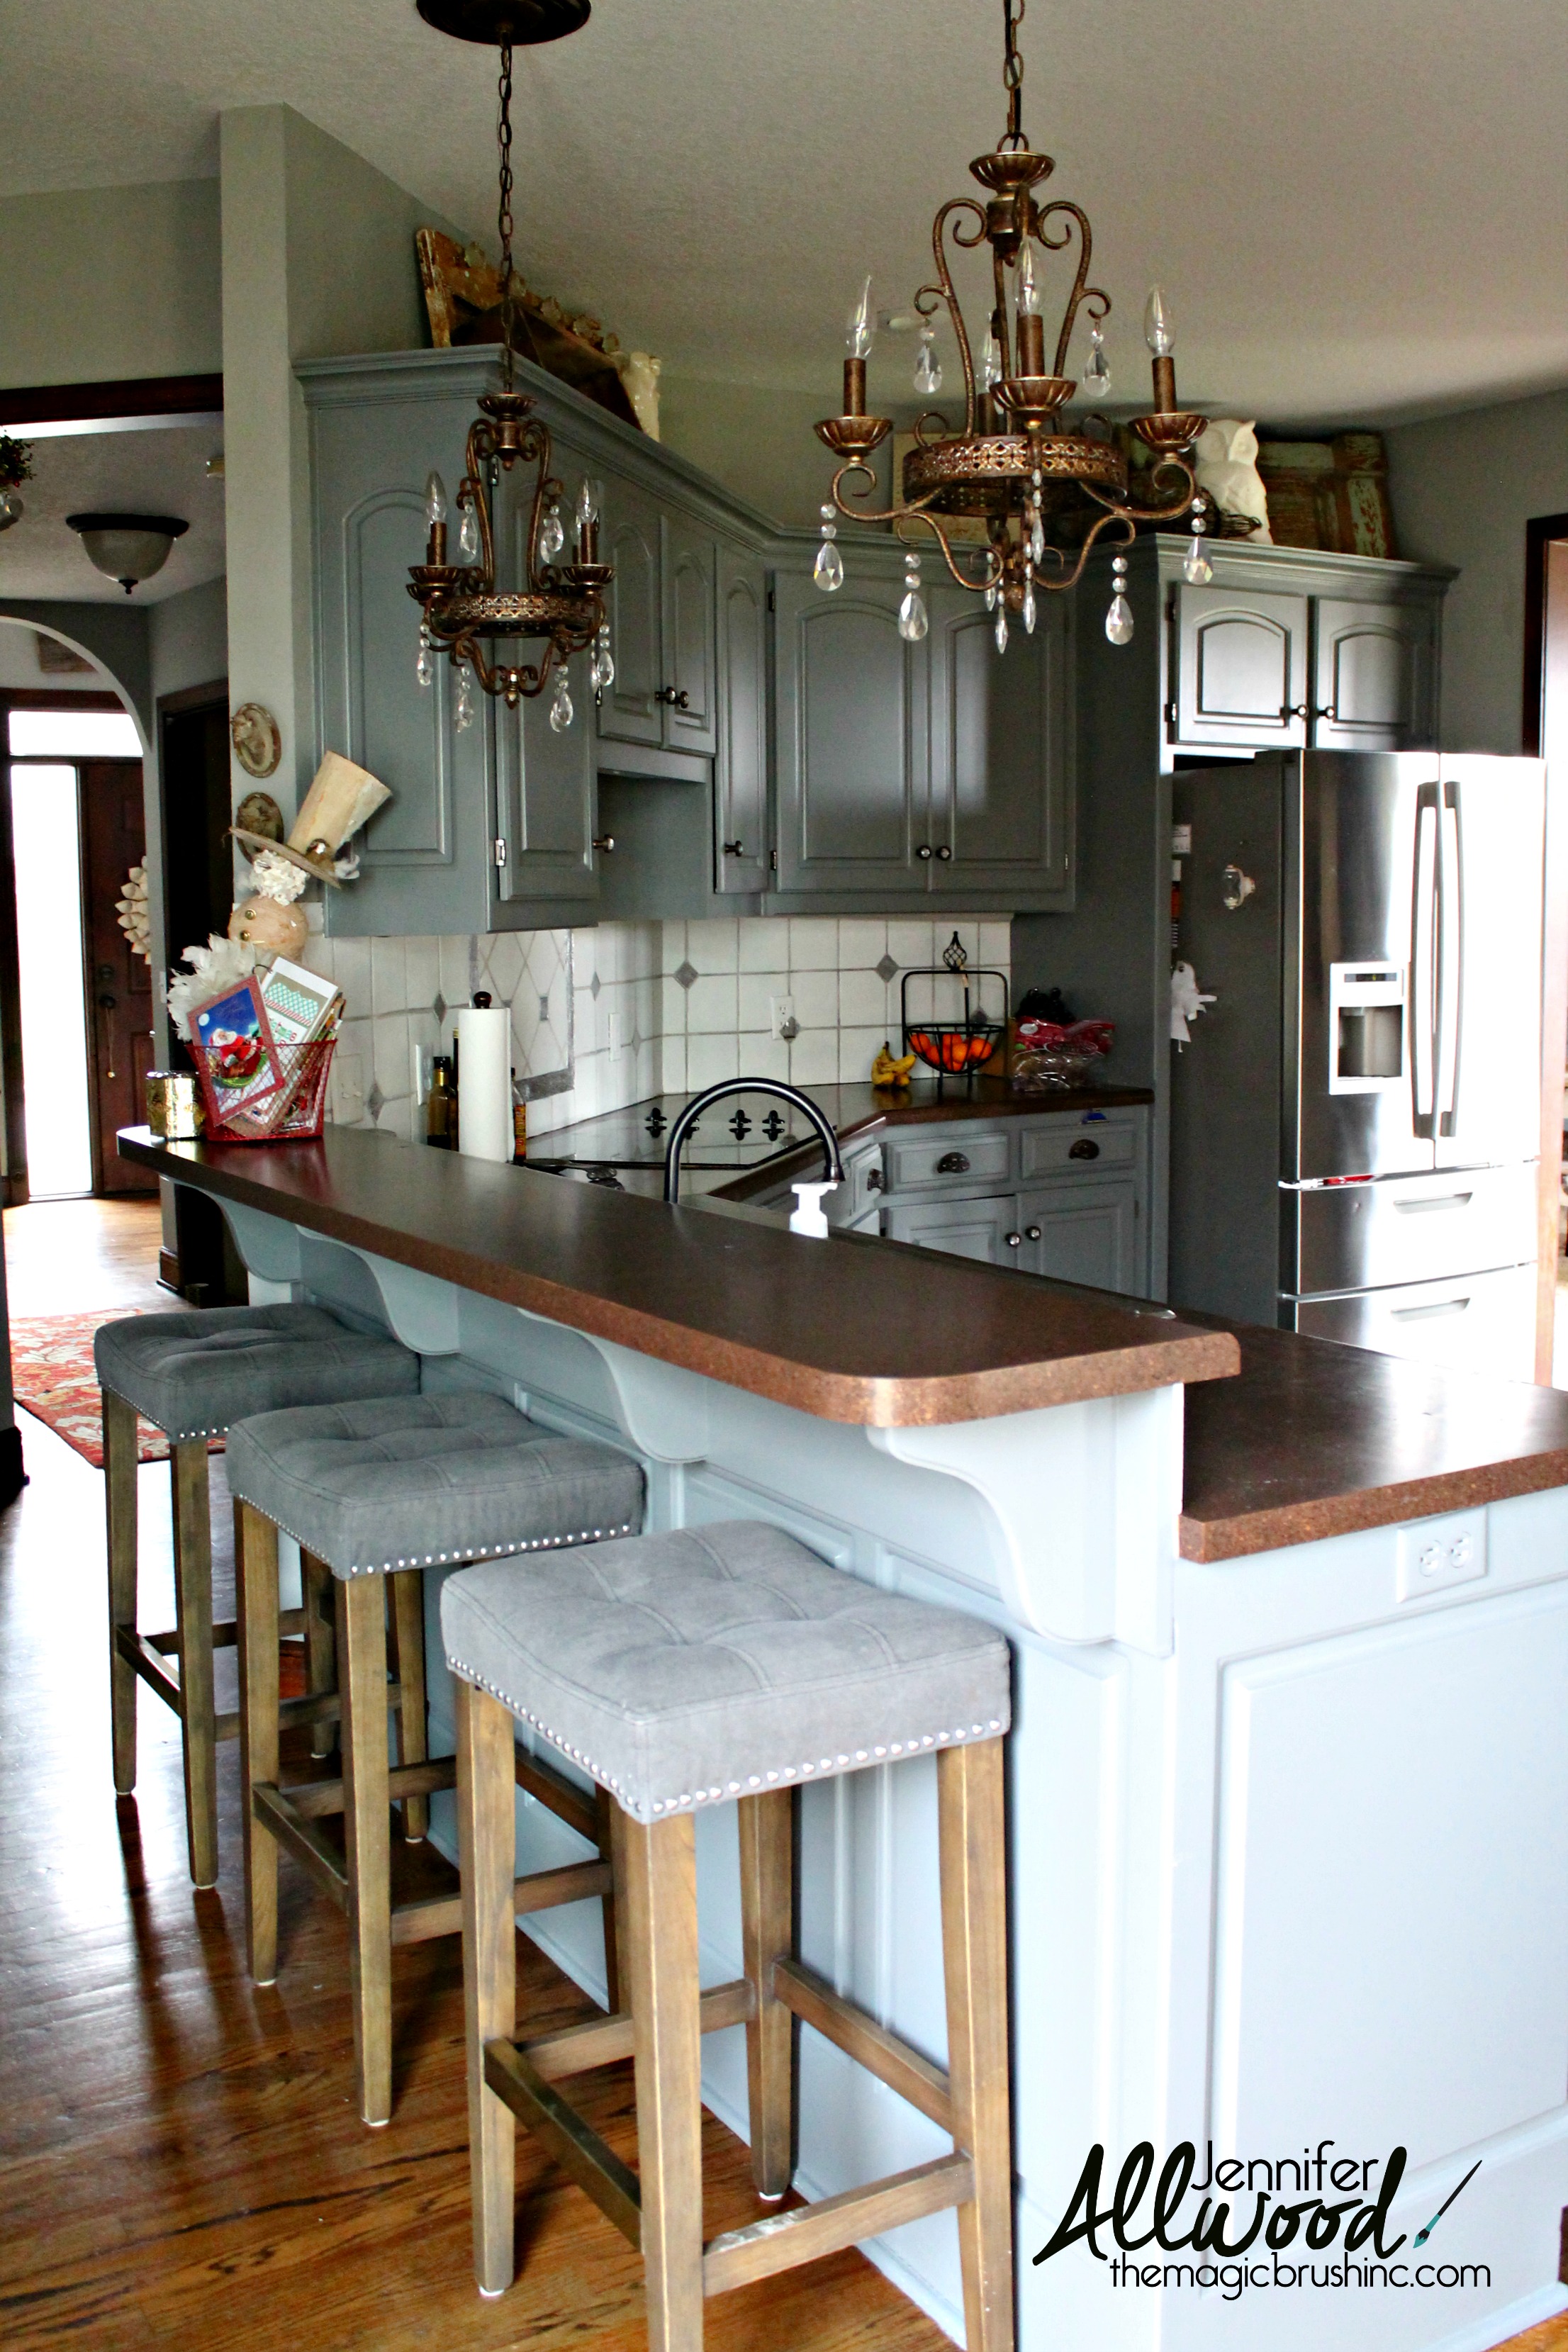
1227	470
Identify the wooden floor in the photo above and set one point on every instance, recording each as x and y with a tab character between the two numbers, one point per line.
181	2163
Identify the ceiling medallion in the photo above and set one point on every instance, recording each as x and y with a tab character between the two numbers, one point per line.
1012	466
466	612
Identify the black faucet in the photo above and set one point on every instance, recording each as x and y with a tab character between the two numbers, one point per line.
727	1087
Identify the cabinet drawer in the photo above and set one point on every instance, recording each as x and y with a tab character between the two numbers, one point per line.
1068	1148
948	1160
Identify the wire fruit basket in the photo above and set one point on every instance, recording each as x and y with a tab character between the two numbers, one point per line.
961	1031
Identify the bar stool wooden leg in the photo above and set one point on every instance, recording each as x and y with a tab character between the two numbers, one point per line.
487	1843
194	1622
119	1515
362	1672
610	1817
974	1961
255	1562
320	1643
767	1934
407	1598
661	1962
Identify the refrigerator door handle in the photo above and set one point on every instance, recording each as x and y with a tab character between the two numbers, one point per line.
1450	959
1424	989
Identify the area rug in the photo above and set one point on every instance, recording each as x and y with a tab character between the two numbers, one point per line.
53	1377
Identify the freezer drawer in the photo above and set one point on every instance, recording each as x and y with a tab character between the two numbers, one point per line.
1406	1229
1481	1323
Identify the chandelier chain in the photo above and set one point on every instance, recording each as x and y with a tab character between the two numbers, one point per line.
1013	71
503	218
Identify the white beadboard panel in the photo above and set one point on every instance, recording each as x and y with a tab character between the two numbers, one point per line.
757	992
710	1058
816	997
711	946
858	1049
813	943
711	1003
862	942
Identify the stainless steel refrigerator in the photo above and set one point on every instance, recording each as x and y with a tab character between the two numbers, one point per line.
1355	1123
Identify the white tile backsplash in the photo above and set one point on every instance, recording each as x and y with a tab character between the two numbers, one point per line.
672	1039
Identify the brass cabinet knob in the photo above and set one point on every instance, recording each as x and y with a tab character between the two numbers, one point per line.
605	841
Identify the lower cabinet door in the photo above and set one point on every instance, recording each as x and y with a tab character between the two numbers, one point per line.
1081	1233
974	1229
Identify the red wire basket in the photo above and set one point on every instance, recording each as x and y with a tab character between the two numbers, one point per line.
306	1072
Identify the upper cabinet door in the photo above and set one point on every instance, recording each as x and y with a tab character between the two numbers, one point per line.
741	769
1241	668
1001	793
421	855
688	686
543	848
630	710
851	730
1374	677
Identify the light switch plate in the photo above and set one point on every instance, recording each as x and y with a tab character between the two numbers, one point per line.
1438	1552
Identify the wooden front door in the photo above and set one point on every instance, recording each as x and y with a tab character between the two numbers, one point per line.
118	983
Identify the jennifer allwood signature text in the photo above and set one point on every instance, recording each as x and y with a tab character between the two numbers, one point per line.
1274	2200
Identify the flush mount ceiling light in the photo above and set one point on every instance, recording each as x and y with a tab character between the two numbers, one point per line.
1010	465
129	548
465	608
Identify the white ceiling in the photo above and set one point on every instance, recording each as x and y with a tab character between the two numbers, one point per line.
161	473
1359	209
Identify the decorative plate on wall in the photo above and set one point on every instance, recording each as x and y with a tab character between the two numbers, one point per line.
258	743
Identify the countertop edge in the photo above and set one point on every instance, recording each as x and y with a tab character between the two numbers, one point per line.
866	1401
1207	1542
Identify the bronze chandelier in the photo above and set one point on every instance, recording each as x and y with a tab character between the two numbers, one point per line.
559	605
1011	465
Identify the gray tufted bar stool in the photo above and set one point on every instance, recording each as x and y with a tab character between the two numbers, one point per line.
191	1375
378	1492
692	1668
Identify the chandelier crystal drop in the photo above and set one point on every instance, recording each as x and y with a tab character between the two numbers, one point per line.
1044	494
469	610
1196	569
1119	619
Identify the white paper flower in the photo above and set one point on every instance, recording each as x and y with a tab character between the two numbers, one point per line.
222	965
131	908
277	877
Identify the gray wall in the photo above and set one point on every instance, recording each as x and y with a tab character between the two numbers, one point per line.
102	284
1463	489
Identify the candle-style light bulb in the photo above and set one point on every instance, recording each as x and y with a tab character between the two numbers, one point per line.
434	499
990	360
1160	336
1031	326
861	331
589	500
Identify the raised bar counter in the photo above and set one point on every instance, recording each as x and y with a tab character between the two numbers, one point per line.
866	1333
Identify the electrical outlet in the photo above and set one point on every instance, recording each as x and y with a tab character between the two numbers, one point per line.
781	1015
613	1031
1436	1552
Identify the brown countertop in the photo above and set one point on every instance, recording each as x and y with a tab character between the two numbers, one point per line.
851	1329
1316	1440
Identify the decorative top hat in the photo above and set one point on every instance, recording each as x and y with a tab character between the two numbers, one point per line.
342	798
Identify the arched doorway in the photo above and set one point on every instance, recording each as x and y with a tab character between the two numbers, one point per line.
76	999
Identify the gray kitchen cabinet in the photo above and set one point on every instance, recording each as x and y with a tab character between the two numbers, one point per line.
1001	798
851	704
741	828
972	1228
1240	667
1374	677
1081	1231
661	613
543	848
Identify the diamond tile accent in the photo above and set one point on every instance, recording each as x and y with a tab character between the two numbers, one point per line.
439	1007
684	974
887	970
594	985
374	1099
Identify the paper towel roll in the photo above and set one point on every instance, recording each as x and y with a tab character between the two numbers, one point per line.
484	1082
